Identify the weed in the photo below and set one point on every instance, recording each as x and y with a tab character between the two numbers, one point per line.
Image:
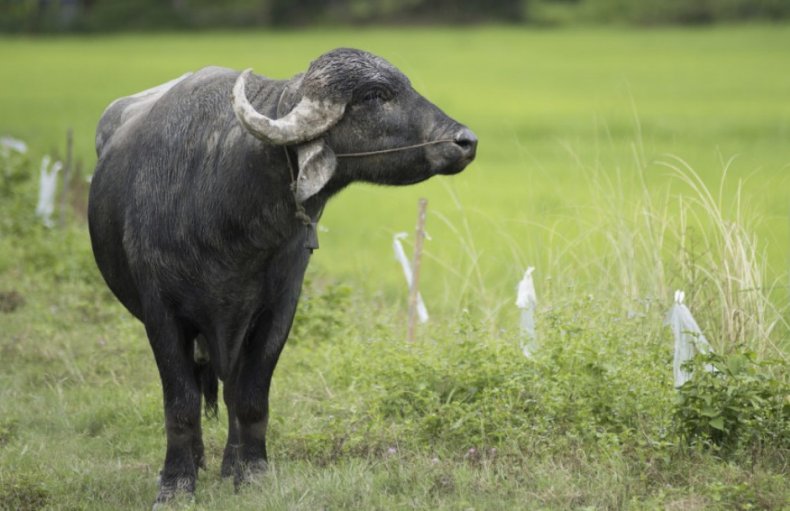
735	403
8	429
22	492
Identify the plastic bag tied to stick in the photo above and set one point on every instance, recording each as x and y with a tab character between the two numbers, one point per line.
400	255
46	191
688	338
8	144
527	301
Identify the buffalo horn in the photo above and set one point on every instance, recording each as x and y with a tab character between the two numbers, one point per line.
308	119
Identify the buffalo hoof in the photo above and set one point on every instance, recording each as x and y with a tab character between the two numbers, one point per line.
200	461
228	465
178	488
249	472
199	456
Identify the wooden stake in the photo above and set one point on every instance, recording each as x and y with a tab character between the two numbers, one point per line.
66	177
415	268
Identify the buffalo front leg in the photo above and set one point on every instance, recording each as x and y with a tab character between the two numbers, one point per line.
231	454
246	395
248	403
249	393
181	393
252	418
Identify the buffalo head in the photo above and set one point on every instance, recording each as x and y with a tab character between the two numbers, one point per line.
353	116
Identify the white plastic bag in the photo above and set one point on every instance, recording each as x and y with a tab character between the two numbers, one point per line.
527	301
13	144
46	191
400	255
688	338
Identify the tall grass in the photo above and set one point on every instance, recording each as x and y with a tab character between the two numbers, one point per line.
729	271
633	248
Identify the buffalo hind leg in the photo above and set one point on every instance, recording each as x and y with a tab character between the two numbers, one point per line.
172	348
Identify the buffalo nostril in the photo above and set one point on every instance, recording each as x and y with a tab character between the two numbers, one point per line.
467	141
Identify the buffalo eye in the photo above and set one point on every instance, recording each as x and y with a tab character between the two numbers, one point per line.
377	93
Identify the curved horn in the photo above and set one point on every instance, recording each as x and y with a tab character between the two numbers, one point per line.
308	119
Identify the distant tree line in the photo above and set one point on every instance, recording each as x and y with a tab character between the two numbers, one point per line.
660	12
31	16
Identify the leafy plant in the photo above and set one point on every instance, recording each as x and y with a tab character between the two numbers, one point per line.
321	314
739	404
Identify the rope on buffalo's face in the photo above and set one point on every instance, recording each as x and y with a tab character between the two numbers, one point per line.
394	149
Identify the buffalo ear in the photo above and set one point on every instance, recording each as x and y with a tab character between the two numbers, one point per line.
317	164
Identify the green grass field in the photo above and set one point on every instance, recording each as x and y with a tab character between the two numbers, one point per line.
567	120
621	163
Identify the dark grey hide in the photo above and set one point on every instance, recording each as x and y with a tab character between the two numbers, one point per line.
195	225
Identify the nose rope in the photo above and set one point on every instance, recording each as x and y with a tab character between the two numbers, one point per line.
394	149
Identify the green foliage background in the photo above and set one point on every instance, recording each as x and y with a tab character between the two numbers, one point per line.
112	15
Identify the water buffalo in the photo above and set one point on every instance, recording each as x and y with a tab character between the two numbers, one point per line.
202	217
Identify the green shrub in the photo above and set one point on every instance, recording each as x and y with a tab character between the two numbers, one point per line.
14	170
598	378
28	246
739	405
321	314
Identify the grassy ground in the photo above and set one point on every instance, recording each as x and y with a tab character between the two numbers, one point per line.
573	176
361	420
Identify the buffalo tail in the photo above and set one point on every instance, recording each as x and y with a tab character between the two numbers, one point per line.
209	387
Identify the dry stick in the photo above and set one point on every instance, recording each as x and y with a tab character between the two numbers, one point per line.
66	177
415	281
